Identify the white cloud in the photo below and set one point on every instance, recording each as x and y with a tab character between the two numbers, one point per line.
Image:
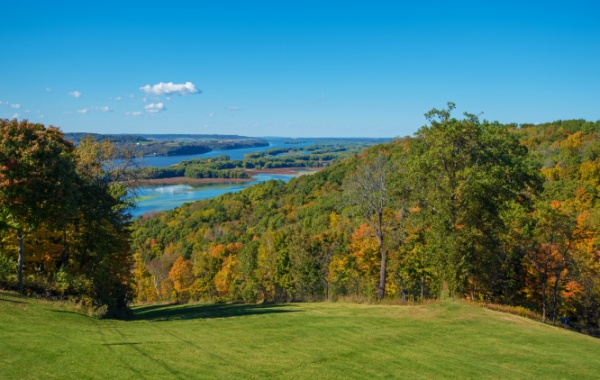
83	111
155	107
15	116
170	89
233	108
102	109
15	106
75	94
135	113
117	99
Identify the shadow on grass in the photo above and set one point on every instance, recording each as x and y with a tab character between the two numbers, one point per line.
13	301
10	297
74	312
158	313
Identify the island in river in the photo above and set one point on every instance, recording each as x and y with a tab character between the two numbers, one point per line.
182	180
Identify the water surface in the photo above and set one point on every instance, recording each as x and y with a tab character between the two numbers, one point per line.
167	197
234	154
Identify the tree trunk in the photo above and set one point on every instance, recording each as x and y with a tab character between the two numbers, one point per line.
381	292
403	292
21	238
65	253
155	283
554	291
544	301
422	287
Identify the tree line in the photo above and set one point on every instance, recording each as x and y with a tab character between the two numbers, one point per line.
465	208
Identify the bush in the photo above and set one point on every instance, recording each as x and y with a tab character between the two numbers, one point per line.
7	268
515	310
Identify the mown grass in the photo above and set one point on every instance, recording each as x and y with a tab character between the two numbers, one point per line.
42	340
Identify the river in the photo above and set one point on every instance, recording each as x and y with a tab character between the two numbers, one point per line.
234	154
167	197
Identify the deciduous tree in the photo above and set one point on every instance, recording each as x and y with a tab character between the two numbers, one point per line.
368	189
463	174
36	177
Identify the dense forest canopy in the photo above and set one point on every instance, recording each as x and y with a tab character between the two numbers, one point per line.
466	208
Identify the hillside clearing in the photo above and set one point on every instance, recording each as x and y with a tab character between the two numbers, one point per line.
308	340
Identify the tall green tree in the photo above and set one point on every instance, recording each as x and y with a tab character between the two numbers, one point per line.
464	173
100	229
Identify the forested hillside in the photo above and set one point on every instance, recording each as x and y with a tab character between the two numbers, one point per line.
497	213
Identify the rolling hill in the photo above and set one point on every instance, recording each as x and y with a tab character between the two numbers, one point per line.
447	339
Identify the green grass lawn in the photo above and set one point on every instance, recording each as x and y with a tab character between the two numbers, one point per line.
43	340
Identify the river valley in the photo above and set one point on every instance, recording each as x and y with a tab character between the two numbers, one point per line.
166	197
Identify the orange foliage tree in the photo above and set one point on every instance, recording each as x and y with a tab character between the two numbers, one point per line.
182	277
547	263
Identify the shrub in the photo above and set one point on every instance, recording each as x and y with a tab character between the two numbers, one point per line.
515	310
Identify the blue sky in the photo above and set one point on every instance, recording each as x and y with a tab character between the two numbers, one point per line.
295	68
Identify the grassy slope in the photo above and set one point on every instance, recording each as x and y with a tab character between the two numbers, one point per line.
315	340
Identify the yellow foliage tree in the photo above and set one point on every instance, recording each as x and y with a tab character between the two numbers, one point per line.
182	277
225	278
365	249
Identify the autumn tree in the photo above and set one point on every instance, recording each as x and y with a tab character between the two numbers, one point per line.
583	289
70	215
182	277
100	250
365	251
36	177
368	189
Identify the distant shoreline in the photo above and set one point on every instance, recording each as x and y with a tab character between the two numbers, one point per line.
290	171
190	181
205	181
